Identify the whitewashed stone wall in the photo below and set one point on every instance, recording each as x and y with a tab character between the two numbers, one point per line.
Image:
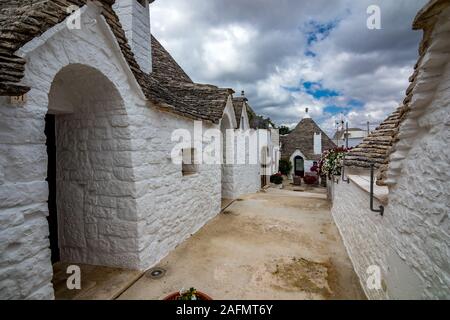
411	242
122	200
171	207
421	198
228	122
94	171
246	176
365	233
25	268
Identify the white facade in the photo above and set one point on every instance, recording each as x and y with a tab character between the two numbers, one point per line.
121	200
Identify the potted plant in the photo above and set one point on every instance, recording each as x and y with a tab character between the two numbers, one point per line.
310	180
191	294
277	180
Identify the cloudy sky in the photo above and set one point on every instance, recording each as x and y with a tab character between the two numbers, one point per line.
291	54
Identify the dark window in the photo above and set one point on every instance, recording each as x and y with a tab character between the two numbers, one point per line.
189	165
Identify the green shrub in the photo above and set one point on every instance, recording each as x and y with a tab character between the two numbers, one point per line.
285	167
276	178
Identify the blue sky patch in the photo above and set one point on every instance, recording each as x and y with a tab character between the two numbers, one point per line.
316	90
316	31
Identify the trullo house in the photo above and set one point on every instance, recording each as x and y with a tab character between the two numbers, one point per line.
88	105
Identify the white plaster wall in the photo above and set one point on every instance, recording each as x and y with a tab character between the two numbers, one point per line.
246	176
228	122
94	171
411	242
363	232
421	198
25	268
146	208
171	207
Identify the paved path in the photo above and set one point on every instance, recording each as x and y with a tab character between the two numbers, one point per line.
273	245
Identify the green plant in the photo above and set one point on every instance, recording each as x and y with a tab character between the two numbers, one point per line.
190	294
276	178
284	130
285	167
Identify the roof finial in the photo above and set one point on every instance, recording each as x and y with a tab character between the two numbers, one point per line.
306	113
243	93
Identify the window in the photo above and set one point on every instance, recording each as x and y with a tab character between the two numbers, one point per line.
189	165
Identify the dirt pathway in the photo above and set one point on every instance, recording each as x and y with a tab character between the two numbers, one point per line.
274	245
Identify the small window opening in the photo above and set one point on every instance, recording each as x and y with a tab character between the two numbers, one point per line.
189	165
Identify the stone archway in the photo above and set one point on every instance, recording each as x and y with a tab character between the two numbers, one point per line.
227	168
94	172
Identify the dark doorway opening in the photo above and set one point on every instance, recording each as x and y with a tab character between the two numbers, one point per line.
50	133
299	166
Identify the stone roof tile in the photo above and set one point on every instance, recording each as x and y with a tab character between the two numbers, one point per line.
169	87
379	146
302	138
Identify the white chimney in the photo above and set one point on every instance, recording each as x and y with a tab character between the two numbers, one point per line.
318	143
134	16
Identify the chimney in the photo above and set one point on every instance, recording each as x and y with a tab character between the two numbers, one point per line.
134	16
318	143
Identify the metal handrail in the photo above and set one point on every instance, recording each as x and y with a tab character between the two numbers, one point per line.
381	208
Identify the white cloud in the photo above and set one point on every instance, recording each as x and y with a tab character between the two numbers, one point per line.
259	46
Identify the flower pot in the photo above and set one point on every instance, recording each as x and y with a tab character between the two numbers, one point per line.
176	295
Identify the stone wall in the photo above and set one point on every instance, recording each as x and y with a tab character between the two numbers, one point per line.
25	266
122	200
170	206
364	232
411	242
94	171
421	198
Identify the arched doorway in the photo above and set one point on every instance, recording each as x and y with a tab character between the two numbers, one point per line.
90	172
299	166
227	164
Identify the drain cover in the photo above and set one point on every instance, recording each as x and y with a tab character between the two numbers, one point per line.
155	273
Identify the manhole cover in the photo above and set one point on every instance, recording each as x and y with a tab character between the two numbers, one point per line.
155	273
